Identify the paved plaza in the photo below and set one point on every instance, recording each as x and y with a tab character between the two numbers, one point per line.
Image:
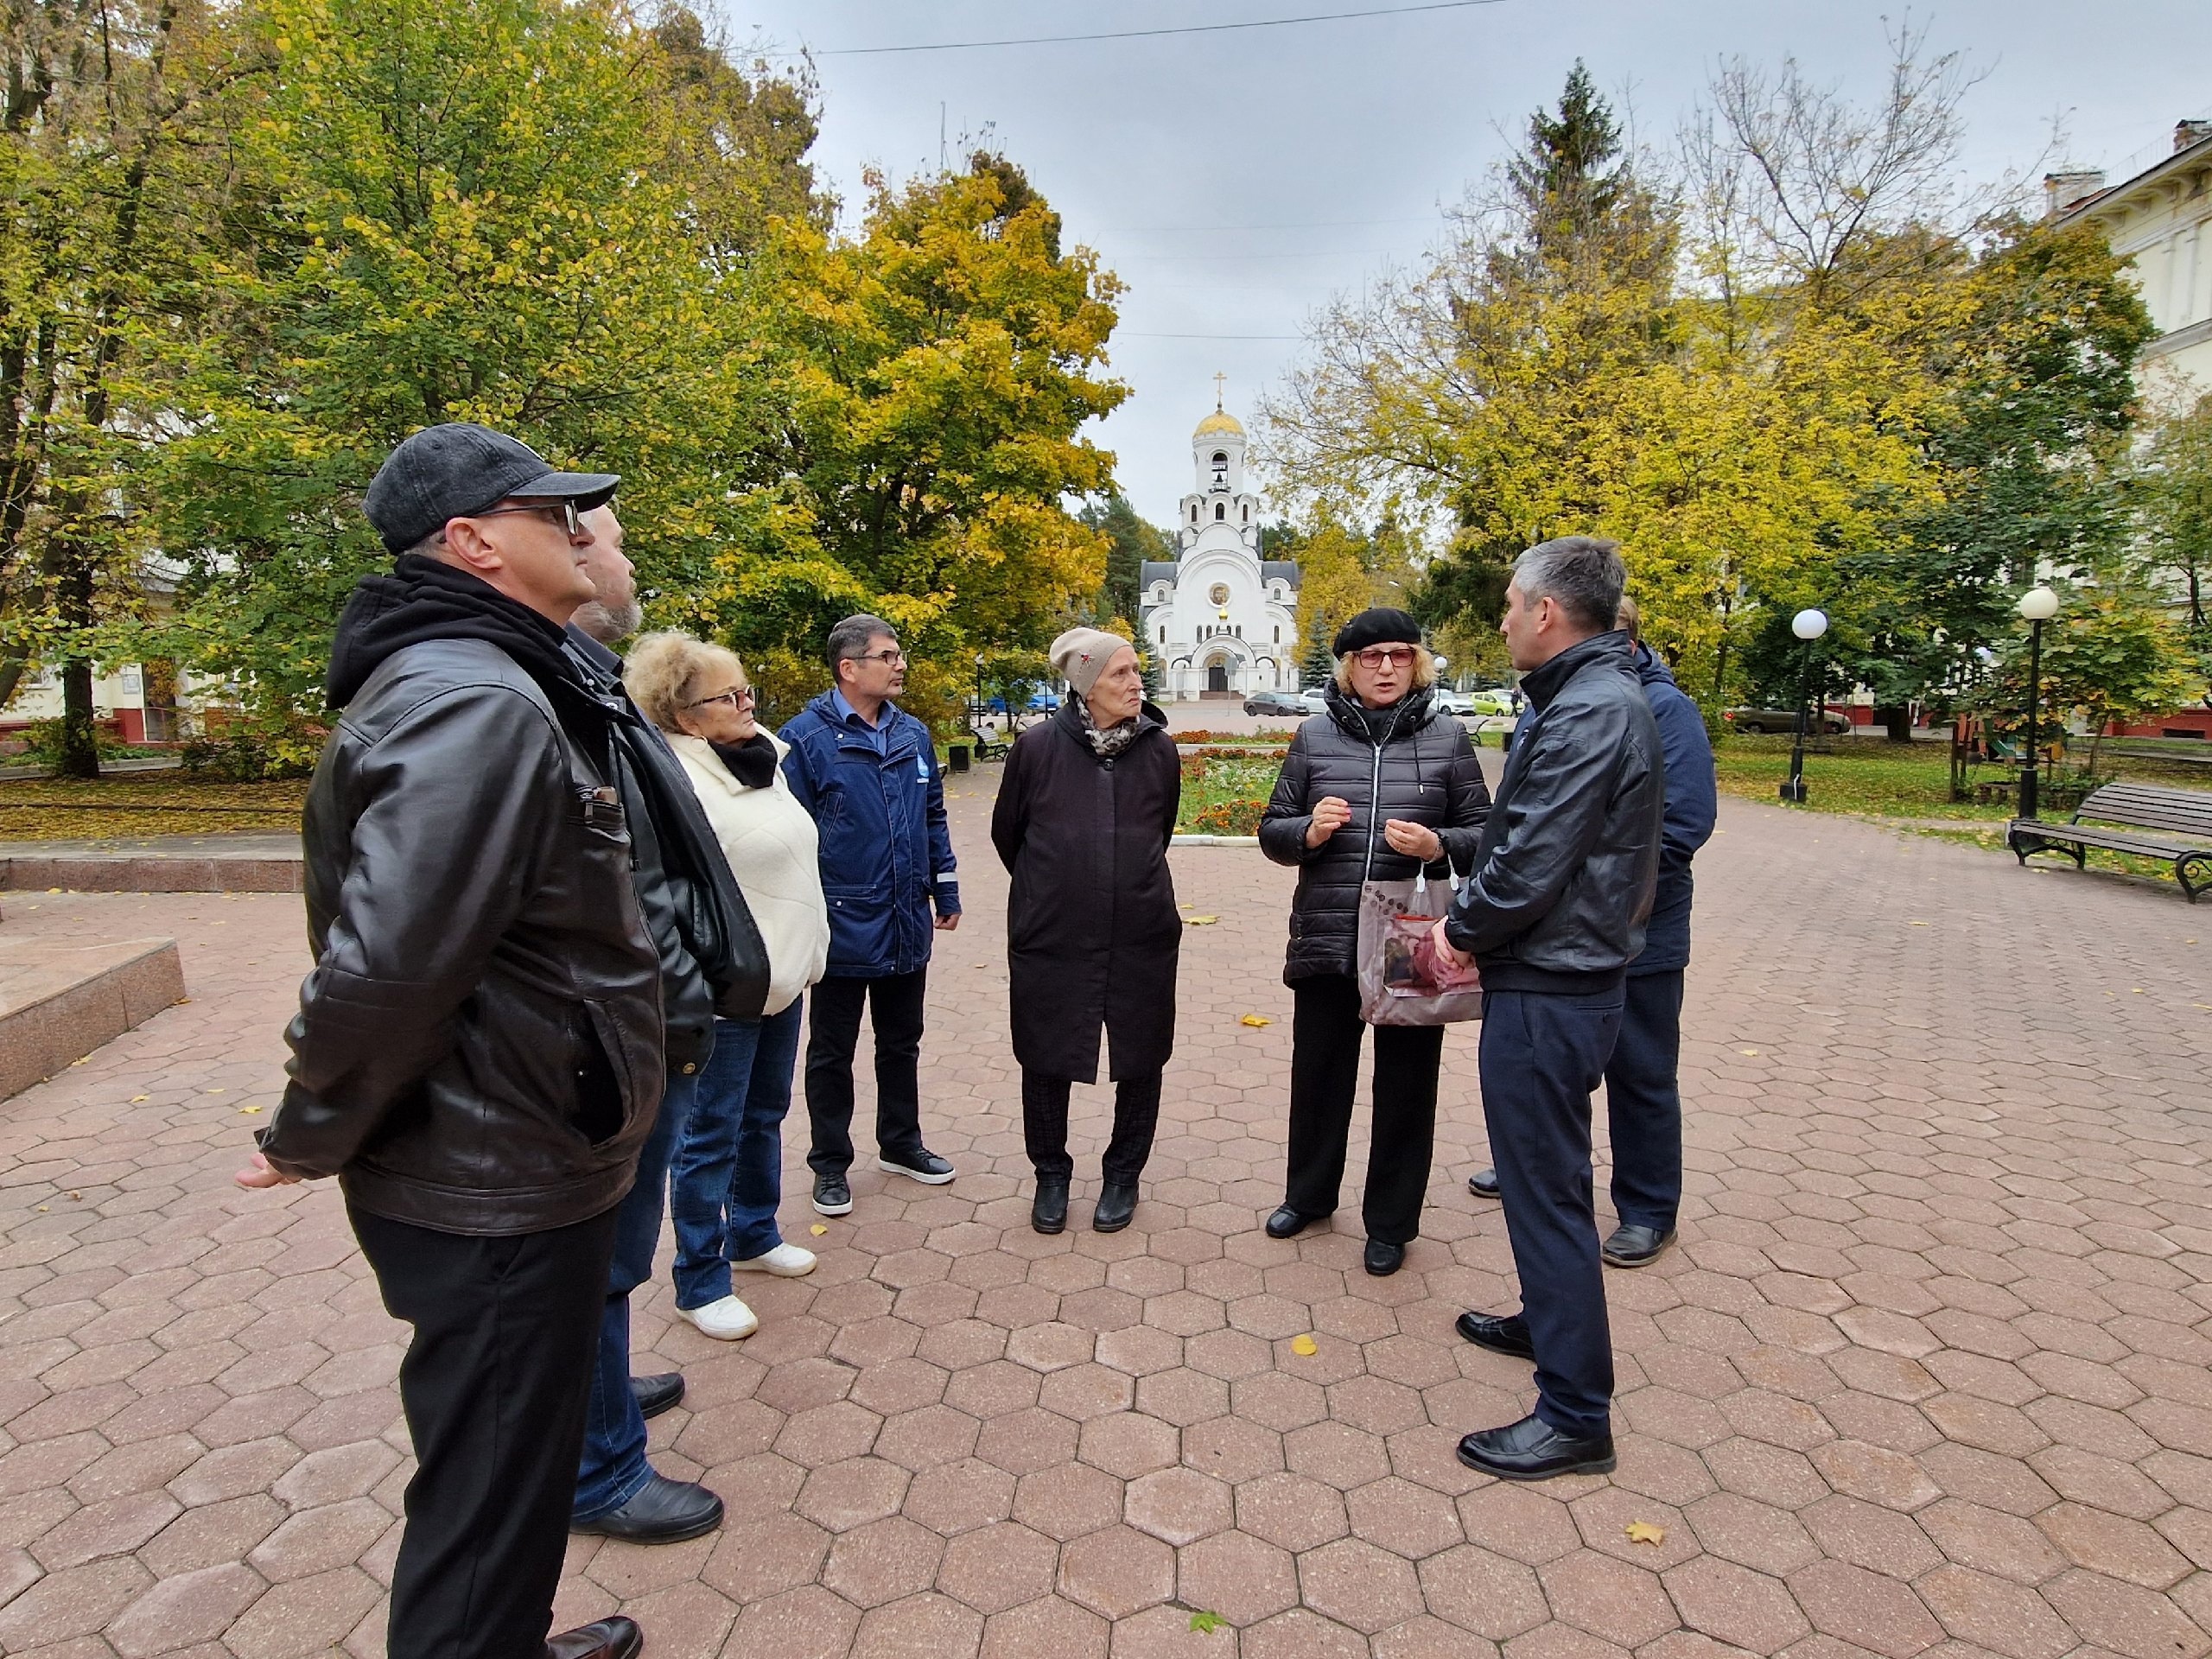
1928	1374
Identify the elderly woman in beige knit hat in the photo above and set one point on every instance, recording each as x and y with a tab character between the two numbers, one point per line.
1084	815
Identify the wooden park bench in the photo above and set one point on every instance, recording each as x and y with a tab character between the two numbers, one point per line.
2173	817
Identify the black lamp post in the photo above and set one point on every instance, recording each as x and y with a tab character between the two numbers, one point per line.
2038	604
1807	626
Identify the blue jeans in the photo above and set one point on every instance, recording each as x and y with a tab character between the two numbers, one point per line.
1541	1056
614	1467
727	1176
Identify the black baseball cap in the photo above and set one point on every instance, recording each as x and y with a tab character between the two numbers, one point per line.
455	469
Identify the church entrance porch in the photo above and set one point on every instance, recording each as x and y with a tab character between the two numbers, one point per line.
1217	678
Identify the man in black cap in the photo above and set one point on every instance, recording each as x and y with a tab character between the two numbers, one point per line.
1553	915
477	1053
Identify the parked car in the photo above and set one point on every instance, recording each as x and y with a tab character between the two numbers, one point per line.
1313	700
1454	702
1501	702
1277	703
1040	702
1784	721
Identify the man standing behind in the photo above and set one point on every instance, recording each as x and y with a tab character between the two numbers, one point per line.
1643	1099
618	1493
868	772
1554	915
476	1057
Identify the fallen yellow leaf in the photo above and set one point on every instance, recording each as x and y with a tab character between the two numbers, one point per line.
250	1110
1255	1020
1916	924
1749	1053
135	1099
1642	1532
1304	1347
1202	921
817	1229
219	1091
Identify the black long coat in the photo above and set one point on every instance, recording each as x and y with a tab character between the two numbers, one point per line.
1091	930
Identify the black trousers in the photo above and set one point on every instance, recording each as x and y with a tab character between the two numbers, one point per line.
1541	1056
833	1032
1045	1126
1643	1103
493	1386
1325	1035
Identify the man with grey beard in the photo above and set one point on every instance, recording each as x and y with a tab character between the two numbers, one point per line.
618	1493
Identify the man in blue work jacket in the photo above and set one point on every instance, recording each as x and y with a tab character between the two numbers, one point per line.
868	772
1643	1097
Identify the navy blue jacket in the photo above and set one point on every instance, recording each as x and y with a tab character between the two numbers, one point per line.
886	852
1691	803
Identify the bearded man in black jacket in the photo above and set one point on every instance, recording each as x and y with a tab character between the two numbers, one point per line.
1553	915
478	1054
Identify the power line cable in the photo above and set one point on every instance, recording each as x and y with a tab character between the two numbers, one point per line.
1154	33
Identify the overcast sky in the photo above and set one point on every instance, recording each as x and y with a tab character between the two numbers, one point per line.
1236	180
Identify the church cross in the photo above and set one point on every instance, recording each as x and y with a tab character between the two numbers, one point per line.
1219	381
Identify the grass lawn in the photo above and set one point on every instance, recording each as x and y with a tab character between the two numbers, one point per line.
1888	782
145	803
1860	775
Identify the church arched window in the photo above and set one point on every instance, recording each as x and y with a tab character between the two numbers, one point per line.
1194	512
1248	512
1278	635
1220	458
1220	512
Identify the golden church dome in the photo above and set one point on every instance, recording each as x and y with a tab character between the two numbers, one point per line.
1219	421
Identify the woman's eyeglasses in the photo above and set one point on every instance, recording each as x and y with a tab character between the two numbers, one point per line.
736	699
1377	657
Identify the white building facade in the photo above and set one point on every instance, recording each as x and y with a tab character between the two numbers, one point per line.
1221	621
2162	219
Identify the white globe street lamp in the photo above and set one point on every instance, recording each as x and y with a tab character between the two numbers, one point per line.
1807	625
2038	606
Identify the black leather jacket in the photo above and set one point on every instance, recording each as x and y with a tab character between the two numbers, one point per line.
478	1049
1408	762
1565	873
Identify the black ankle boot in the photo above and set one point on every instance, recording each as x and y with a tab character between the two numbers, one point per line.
1117	1202
1048	1211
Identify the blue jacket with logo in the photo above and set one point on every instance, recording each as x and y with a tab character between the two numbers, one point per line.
887	851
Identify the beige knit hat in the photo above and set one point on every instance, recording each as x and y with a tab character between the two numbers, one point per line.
1081	656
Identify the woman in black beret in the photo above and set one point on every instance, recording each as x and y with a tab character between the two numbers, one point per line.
1381	784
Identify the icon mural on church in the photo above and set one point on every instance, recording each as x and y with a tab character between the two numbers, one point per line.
1221	621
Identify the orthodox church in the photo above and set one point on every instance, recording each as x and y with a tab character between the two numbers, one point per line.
1221	621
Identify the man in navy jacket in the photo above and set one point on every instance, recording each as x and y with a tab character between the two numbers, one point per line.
868	772
1643	1100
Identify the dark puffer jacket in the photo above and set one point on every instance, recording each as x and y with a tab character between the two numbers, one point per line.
1408	761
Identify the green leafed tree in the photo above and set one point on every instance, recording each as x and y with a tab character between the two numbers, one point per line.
1130	543
534	214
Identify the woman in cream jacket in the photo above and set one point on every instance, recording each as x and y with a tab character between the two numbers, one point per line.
726	1179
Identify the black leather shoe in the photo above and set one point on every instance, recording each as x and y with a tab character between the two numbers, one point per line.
1286	1223
1533	1450
655	1394
1636	1246
663	1511
1048	1211
831	1196
610	1638
1117	1202
1483	1183
1502	1334
1382	1260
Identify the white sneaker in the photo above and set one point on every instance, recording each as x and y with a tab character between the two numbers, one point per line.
725	1321
785	1262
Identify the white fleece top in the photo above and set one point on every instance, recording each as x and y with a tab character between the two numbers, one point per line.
772	849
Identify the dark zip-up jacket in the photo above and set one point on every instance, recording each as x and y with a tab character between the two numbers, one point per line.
1410	761
1091	931
478	1048
1569	858
887	849
1691	803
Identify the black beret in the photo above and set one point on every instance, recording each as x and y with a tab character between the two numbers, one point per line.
1380	625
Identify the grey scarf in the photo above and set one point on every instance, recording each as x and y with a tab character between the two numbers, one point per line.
1110	742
